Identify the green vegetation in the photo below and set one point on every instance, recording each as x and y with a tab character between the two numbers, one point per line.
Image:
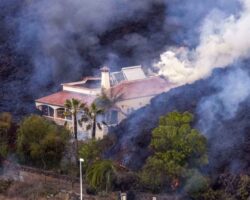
5	125
196	184
92	150
7	134
41	142
108	102
177	148
101	174
178	152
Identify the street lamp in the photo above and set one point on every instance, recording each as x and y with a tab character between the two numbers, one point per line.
81	161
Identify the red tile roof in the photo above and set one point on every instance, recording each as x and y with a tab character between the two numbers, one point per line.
141	88
127	89
59	98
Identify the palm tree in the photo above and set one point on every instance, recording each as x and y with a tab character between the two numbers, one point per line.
73	107
90	117
108	101
101	174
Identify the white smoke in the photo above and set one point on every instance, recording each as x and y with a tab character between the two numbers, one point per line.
223	40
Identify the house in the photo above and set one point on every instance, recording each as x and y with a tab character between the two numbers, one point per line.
131	87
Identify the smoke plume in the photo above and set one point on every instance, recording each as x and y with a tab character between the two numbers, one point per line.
215	37
222	41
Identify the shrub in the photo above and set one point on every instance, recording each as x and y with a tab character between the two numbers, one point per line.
41	142
176	147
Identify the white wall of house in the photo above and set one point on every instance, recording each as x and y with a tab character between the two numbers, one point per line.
130	105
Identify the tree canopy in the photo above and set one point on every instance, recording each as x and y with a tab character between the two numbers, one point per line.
92	150
41	141
7	134
176	147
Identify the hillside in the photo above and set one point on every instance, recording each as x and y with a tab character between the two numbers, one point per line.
228	137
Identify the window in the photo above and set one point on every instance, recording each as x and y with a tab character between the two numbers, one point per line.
68	117
60	113
44	110
51	111
47	111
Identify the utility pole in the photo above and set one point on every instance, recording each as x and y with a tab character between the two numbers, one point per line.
81	161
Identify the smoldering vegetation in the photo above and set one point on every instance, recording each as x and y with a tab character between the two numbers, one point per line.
225	124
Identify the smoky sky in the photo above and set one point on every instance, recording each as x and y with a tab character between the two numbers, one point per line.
190	15
67	39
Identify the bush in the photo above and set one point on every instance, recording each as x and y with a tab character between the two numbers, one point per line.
7	133
126	180
41	142
196	184
243	191
92	150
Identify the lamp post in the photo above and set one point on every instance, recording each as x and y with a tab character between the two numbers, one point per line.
81	161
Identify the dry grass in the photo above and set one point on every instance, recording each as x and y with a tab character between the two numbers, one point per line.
30	191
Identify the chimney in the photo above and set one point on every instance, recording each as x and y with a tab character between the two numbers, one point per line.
105	79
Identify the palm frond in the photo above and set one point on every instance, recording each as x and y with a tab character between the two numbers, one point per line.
68	104
67	113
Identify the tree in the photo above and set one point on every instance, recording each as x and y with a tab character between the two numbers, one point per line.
90	117
41	141
176	148
6	134
108	101
73	107
101	174
92	150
